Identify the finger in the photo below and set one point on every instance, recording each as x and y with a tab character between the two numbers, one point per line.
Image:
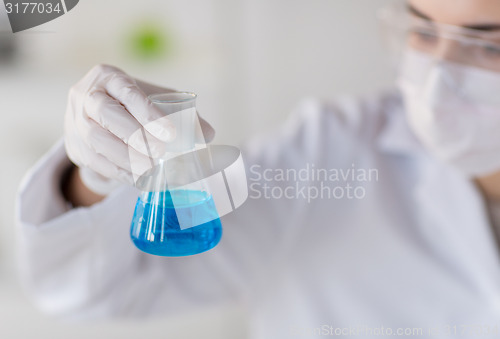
149	89
108	169
112	116
207	131
101	71
124	89
105	143
99	164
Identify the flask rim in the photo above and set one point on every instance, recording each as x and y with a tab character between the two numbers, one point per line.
172	97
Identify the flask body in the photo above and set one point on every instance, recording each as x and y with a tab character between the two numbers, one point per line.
156	228
175	214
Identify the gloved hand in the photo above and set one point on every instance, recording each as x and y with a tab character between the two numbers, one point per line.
104	110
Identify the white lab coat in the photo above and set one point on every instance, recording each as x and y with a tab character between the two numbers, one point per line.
416	252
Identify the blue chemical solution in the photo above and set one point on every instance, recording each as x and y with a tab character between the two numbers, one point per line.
155	226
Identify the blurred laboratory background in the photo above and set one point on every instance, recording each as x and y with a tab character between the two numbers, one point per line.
249	61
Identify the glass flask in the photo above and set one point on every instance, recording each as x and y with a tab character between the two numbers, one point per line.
175	214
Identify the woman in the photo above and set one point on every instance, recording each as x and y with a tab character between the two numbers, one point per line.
413	253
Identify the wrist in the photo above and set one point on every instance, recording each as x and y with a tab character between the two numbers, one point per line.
75	191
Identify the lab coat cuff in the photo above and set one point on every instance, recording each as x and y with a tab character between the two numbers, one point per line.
40	197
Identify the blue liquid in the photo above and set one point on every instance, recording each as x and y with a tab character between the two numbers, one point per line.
155	226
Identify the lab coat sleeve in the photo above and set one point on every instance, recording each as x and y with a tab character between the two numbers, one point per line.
81	262
64	253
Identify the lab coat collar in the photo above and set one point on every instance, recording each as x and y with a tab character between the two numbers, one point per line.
396	136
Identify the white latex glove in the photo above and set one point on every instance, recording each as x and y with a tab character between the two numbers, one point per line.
104	110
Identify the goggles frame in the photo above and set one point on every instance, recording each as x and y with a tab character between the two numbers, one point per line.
473	47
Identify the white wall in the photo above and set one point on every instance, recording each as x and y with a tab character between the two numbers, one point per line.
249	61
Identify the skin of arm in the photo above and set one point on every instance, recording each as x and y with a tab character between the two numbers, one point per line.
75	191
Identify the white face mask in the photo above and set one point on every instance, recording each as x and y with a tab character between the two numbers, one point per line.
454	110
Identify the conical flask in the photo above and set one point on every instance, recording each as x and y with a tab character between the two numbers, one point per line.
175	214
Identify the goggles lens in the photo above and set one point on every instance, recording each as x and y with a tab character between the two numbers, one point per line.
402	29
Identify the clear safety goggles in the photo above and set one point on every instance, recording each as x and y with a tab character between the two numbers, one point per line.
402	29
